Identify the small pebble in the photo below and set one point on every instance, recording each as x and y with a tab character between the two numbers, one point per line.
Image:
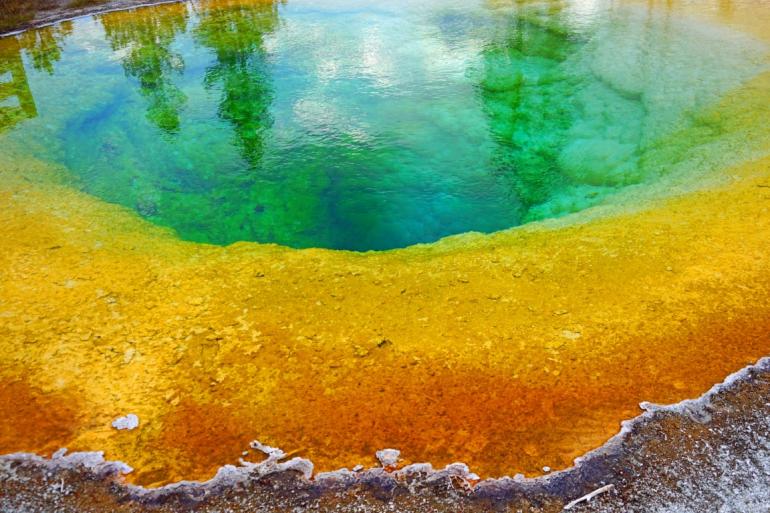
128	422
388	457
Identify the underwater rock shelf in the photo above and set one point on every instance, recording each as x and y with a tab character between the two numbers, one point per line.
708	454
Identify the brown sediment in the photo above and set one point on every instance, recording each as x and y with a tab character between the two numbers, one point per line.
211	433
496	424
696	456
43	421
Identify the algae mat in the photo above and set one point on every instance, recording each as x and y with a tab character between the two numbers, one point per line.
508	351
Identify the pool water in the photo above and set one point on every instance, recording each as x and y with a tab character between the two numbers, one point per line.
368	125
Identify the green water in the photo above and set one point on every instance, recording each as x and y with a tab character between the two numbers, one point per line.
366	125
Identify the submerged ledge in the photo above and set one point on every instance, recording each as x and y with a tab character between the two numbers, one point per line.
705	454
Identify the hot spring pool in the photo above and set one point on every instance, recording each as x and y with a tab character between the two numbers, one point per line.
367	125
136	146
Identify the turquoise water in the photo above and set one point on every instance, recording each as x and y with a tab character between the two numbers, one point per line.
364	125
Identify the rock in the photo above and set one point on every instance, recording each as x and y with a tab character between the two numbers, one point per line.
388	457
129	422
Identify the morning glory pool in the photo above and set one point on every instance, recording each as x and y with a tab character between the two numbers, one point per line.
368	125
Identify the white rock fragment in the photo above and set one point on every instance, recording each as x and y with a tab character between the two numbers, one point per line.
339	476
388	457
271	465
272	453
301	465
459	470
127	422
589	496
416	468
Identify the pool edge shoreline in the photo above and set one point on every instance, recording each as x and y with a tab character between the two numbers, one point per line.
64	13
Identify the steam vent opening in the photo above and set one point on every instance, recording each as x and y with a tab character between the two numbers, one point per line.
369	234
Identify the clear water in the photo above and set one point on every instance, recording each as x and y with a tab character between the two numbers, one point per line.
365	125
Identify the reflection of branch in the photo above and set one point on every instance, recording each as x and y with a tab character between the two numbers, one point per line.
236	34
17	87
588	497
45	45
764	186
151	60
